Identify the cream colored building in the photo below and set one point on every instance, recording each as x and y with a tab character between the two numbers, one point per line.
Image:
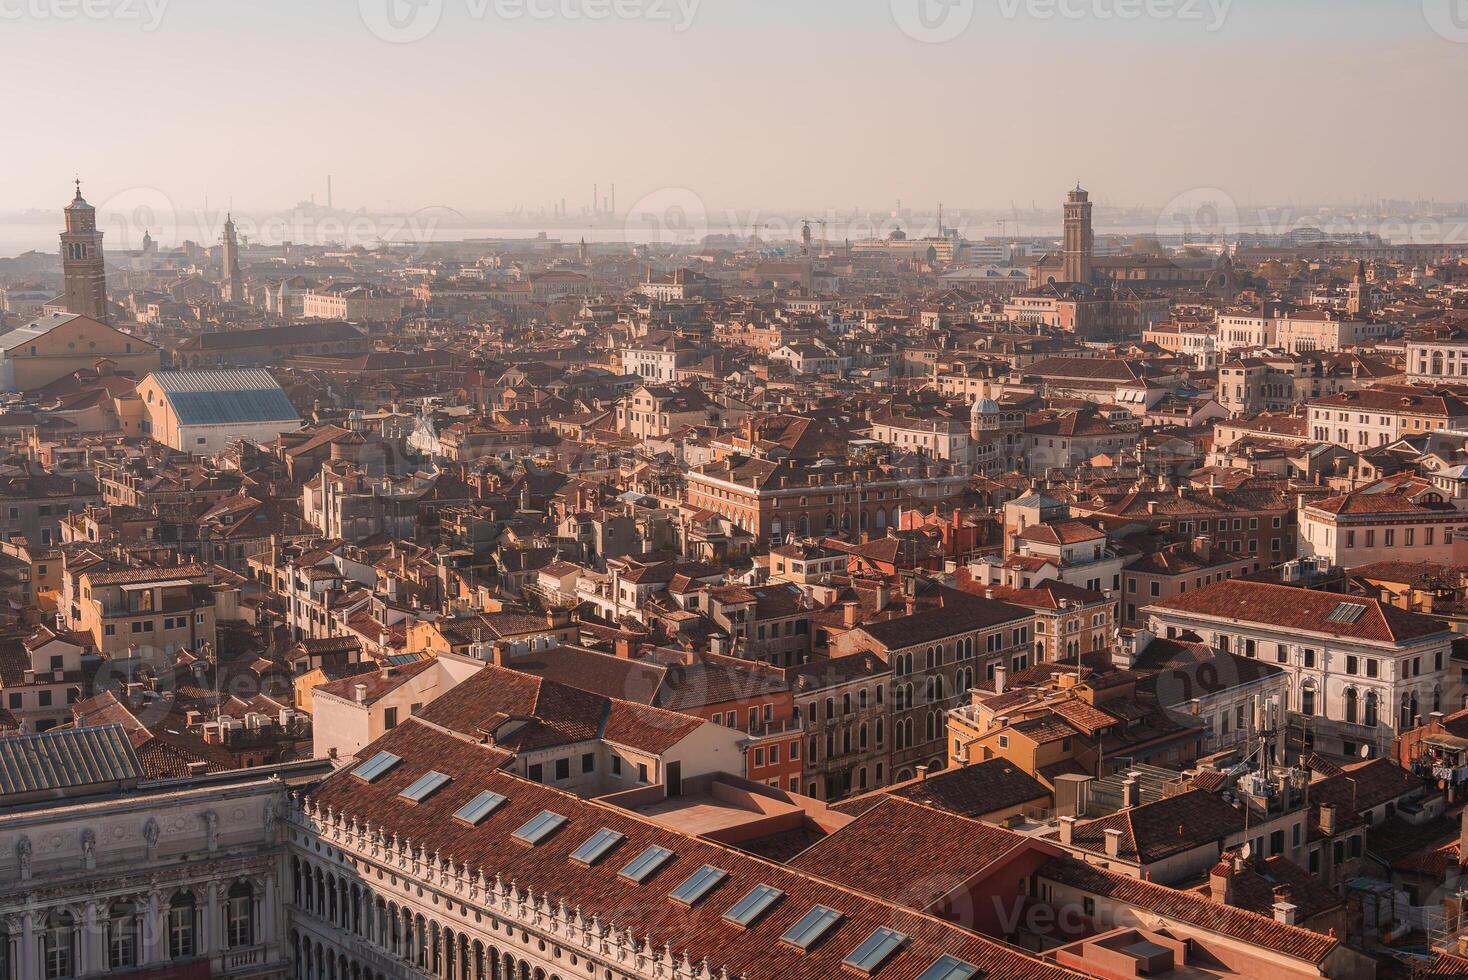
202	412
54	345
1369	417
1438	360
136	610
1360	671
349	713
353	302
1360	528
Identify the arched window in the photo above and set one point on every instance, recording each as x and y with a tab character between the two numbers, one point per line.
122	936
861	737
861	778
879	733
1369	713
239	915
181	928
1350	706
58	946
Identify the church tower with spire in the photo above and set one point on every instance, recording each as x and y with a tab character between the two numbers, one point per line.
83	271
233	287
1076	243
1358	293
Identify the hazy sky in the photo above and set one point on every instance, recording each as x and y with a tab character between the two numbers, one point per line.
771	103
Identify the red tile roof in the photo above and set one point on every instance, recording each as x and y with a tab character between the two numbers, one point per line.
1286	607
645	910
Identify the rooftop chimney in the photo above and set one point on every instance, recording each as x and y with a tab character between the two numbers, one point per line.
999	675
1221	880
1285	912
360	692
1113	842
1327	819
1067	830
1131	791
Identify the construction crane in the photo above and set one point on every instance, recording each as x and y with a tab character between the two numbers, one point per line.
805	232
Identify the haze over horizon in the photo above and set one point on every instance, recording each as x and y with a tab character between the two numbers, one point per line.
759	103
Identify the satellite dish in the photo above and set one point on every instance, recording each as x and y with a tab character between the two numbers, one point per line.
1245	850
1365	751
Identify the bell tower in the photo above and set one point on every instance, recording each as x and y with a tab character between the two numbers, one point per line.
229	257
83	271
1076	243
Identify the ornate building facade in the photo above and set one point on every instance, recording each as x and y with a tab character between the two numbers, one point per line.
103	870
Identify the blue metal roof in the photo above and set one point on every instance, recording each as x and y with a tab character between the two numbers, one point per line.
227	407
66	758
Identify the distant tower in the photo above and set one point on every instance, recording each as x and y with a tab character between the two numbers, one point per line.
234	285
584	253
1076	245
82	267
1358	293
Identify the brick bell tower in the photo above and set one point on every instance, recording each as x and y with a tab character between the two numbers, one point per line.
83	270
1076	244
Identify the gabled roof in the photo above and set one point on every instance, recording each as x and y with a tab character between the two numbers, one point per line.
224	397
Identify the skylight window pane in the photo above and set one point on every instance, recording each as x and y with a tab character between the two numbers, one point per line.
374	767
540	826
474	812
596	846
645	864
424	786
949	968
816	923
753	905
699	884
879	947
